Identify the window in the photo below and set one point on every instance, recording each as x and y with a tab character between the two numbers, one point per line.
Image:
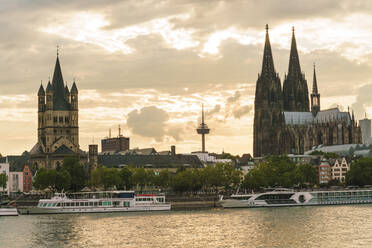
61	119
58	204
55	119
67	204
66	119
90	203
100	203
95	204
82	204
86	204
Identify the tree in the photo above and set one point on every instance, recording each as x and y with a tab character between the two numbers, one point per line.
126	178
3	180
62	180
139	177
163	179
306	174
360	172
111	178
77	173
41	179
280	171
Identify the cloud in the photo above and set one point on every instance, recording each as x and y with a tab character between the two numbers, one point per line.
363	101
242	111
148	122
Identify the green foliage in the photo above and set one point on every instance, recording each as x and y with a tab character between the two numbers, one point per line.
280	171
360	172
56	180
3	180
327	155
76	171
126	178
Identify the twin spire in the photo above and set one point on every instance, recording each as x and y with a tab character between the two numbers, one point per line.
267	62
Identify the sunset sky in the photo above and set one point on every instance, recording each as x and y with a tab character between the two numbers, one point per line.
150	65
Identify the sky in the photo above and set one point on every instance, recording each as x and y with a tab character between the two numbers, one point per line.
149	65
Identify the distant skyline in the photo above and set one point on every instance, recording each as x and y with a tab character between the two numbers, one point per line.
150	65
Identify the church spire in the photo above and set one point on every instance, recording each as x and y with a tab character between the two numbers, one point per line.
267	62
59	98
315	85
294	61
295	90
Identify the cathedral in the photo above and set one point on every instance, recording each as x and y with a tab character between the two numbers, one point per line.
285	121
58	123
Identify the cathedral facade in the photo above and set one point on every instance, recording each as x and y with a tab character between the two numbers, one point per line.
58	123
285	121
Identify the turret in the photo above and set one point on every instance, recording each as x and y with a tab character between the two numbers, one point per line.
74	97
67	94
49	96
41	99
315	96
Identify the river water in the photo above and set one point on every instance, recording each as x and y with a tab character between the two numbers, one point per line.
326	226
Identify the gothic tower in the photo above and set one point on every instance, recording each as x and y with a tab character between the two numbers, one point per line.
295	91
268	117
58	126
315	97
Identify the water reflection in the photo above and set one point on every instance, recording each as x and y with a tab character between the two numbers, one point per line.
338	226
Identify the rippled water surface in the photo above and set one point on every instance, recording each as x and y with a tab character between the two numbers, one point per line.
332	226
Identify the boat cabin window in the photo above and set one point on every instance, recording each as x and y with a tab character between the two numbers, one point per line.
81	203
95	203
67	204
100	203
58	204
90	203
126	204
86	204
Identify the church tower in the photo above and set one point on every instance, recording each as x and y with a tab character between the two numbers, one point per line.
295	91
268	117
315	97
58	122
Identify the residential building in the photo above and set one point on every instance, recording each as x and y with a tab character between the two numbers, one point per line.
15	182
27	179
339	169
324	172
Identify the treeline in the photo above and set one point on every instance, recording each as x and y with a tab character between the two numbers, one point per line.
280	171
71	176
273	172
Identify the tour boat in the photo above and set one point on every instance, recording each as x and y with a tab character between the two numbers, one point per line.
8	211
99	202
288	197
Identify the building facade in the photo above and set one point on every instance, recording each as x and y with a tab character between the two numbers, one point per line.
58	123
27	179
324	172
339	169
285	121
113	145
15	182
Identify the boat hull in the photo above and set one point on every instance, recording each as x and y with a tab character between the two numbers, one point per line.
37	210
8	212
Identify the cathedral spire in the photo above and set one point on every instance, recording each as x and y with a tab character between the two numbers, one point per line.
294	61
295	90
267	62
315	85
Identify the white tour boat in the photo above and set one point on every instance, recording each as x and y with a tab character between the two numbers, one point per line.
288	197
99	202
